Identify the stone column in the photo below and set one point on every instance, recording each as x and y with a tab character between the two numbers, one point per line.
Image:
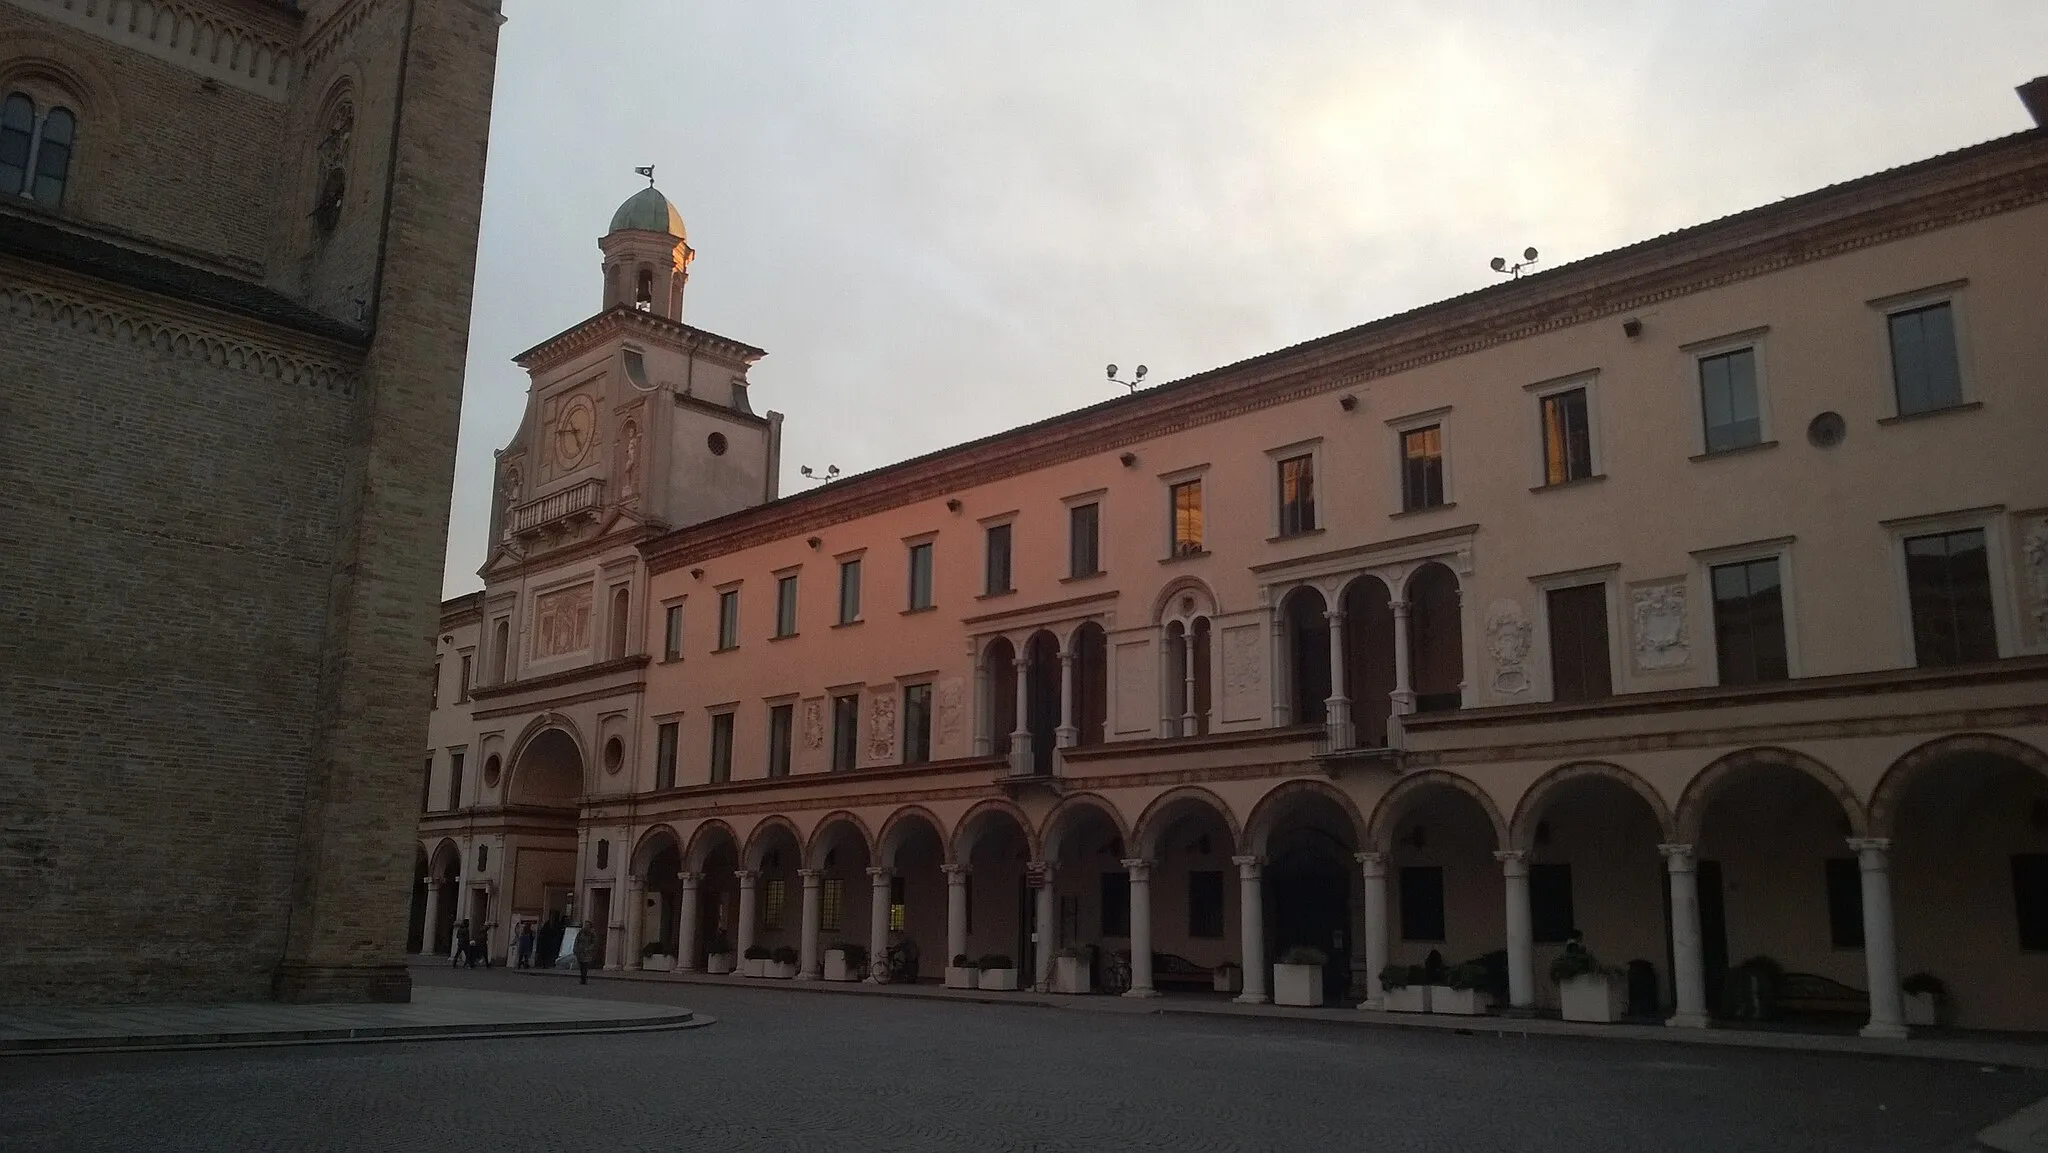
1403	694
1338	706
636	919
1251	929
1042	954
686	926
432	928
984	709
615	935
810	961
1514	867
1189	723
1140	870
1688	969
1020	737
1283	689
1169	720
956	910
1069	733
878	923
1880	946
743	939
1375	867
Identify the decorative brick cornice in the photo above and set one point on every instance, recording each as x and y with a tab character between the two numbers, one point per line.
199	38
623	321
1996	177
324	40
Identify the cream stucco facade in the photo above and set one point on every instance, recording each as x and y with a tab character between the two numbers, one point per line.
1584	601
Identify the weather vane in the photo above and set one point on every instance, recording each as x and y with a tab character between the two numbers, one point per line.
1132	383
1501	265
648	172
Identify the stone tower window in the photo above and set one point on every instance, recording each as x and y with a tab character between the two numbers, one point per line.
338	129
35	149
643	295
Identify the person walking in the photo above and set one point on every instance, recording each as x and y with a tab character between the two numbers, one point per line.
526	944
459	948
586	949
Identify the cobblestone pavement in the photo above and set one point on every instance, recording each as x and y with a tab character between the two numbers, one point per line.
797	1071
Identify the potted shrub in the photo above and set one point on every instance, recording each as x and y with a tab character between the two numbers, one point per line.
1405	988
755	962
656	956
1587	990
998	973
1924	998
1228	977
961	974
1462	991
1298	976
1751	991
846	961
718	958
1071	972
782	963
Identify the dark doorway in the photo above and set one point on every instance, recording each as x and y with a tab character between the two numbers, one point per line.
1091	683
416	918
1026	959
1369	658
1309	896
1308	641
1001	659
1042	702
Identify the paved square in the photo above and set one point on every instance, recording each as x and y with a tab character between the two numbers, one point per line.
785	1069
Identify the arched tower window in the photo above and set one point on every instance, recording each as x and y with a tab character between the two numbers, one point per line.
337	129
643	292
35	149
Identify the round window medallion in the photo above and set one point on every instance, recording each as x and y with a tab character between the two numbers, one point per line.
491	769
716	443
614	755
1826	430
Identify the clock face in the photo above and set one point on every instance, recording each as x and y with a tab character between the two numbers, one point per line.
575	430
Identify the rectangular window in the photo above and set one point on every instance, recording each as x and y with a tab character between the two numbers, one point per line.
785	606
2030	898
1948	581
672	633
1845	903
780	720
1749	622
1550	903
1925	376
1422	468
455	780
1728	400
1084	526
1422	903
1579	667
898	917
1186	498
849	591
721	747
729	619
1297	495
427	785
998	574
1567	437
462	690
917	724
1116	904
774	896
831	905
921	576
434	688
845	731
665	737
1205	903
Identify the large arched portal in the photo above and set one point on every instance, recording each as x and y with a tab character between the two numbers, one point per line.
546	787
1308	835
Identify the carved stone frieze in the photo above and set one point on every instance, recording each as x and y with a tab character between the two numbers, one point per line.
1507	642
1657	612
882	727
952	710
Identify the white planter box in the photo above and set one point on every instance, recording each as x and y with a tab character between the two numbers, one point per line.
658	963
1228	980
1071	975
718	964
779	971
961	977
1298	985
998	980
753	966
1920	1009
1407	999
1592	997
1457	1002
836	968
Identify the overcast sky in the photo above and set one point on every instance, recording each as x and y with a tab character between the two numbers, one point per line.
942	219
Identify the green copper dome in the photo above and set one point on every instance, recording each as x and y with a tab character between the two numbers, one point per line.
648	211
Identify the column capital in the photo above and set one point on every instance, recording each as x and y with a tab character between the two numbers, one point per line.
1400	607
635	881
1021	661
1140	868
1333	616
746	877
955	872
879	872
1678	858
810	876
1513	862
1042	869
1374	864
1862	845
1066	656
689	879
1248	865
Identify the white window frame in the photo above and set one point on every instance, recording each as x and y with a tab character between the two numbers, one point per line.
729	709
768	707
1698	352
1400	426
1100	499
675	769
1313	450
839	562
1708	559
720	646
674	605
1542	389
1954	294
986	524
794	573
1992	520
930	683
911	544
1609	577
1199	475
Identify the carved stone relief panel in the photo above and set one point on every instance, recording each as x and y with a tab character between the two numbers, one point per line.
1244	673
814	723
1657	620
882	726
629	460
561	621
2033	534
952	709
1137	705
1507	642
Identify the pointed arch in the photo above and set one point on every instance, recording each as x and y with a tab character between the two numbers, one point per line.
1059	822
1901	774
1267	811
763	835
1167	806
1529	810
898	826
703	839
974	823
1699	793
1379	828
822	835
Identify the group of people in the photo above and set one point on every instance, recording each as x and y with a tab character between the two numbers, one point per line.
531	947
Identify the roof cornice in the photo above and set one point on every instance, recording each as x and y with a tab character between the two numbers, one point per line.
1988	179
622	321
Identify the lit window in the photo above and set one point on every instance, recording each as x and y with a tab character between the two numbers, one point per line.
1567	437
1186	500
1422	468
897	918
1297	495
774	895
831	905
